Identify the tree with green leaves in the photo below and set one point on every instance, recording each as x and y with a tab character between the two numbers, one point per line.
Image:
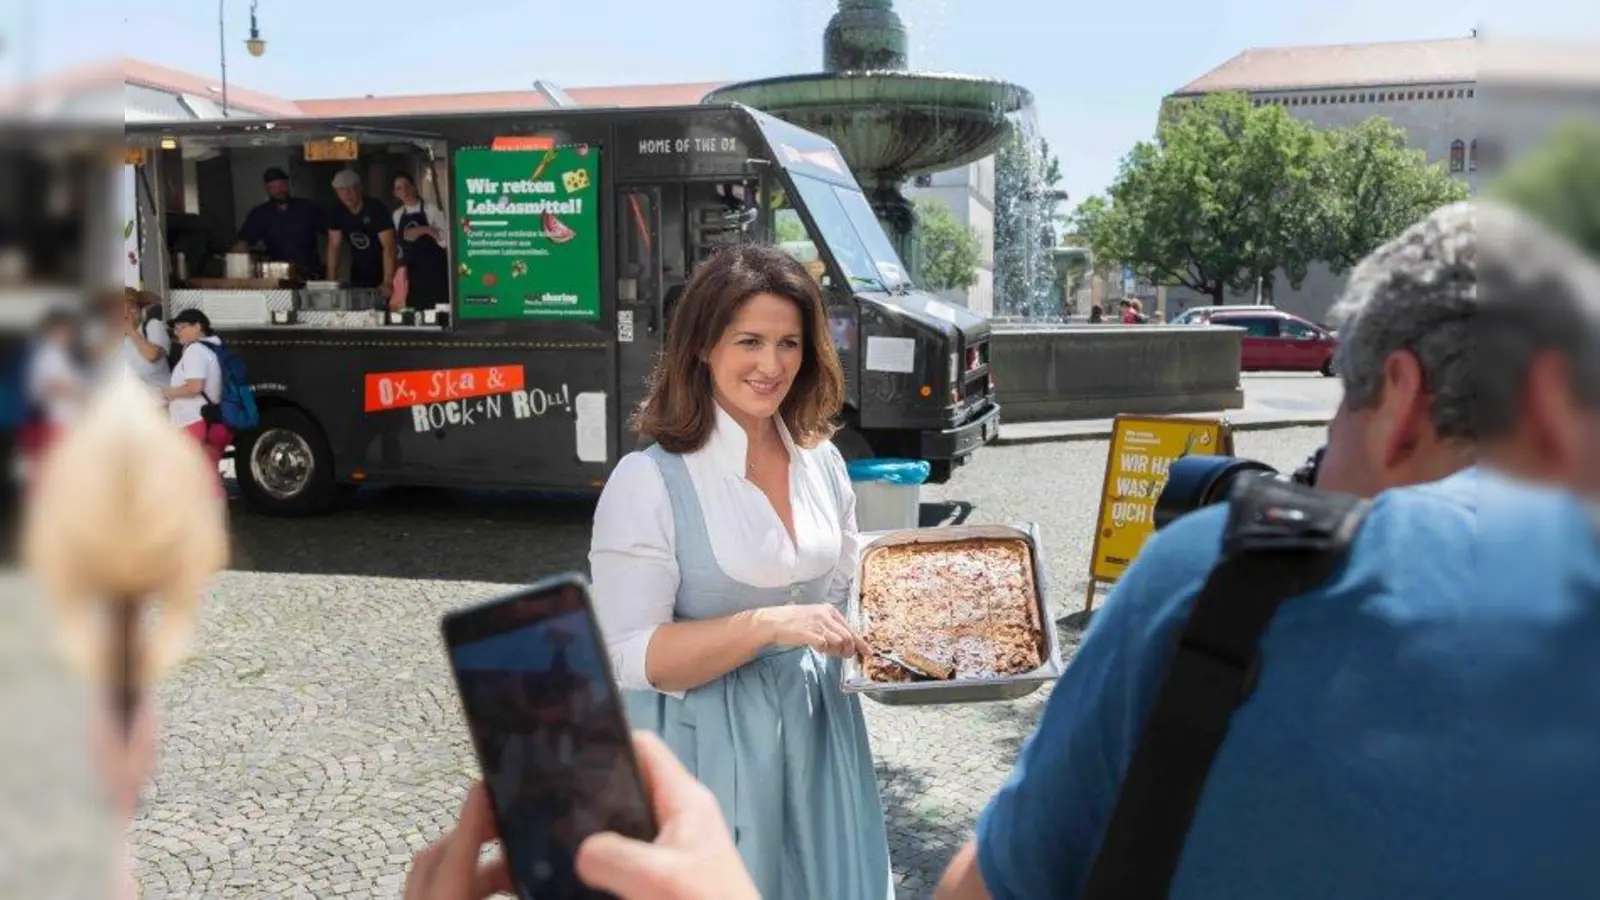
1559	184
1225	195
948	248
1372	186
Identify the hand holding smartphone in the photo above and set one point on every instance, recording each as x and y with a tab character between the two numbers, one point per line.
549	731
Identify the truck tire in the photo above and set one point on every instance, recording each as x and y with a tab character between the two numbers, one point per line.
852	445
285	467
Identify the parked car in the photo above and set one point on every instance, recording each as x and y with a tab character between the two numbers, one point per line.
1200	315
1276	340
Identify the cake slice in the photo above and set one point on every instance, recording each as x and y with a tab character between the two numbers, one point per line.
930	654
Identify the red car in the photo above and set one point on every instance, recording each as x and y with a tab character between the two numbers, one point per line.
1278	341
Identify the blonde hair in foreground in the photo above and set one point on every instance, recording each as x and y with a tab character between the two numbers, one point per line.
125	509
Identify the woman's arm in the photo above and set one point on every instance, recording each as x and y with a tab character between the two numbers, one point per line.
635	578
194	387
148	350
191	387
850	545
439	224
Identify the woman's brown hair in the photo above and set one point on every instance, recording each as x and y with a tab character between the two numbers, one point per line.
678	412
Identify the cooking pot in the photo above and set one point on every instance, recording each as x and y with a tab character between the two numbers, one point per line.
238	265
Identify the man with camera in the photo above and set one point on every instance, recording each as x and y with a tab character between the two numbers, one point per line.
1412	715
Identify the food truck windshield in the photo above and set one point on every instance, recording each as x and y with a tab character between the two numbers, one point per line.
841	211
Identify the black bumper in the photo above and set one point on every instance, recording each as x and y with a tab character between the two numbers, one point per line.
958	443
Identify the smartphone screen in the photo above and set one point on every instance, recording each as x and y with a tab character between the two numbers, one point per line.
549	731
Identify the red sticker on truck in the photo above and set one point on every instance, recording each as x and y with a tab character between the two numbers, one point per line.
402	390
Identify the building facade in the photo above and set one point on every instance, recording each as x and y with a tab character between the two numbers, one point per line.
968	192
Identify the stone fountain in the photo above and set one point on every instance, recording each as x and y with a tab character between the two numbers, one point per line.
891	124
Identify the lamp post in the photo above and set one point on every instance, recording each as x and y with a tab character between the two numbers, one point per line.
254	44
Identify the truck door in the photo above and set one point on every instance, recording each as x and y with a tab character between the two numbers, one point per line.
640	317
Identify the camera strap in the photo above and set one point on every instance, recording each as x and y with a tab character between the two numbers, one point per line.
1282	540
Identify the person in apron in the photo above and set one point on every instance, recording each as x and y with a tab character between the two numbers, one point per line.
424	245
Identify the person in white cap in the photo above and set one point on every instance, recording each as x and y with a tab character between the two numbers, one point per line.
365	224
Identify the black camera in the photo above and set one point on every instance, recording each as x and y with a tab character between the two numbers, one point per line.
1197	481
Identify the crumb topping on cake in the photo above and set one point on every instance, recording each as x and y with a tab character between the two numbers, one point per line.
965	606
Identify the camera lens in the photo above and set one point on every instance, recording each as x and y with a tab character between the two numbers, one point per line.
1311	468
1197	481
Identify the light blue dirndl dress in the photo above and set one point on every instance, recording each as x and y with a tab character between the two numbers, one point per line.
784	750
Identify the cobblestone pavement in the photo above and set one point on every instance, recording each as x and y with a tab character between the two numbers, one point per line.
313	742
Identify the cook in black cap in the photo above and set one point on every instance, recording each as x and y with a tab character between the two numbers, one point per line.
285	227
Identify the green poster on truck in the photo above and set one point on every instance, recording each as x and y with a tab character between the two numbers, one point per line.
528	233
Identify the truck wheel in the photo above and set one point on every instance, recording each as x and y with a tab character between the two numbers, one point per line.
285	467
852	445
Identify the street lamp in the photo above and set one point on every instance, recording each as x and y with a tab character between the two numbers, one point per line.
254	44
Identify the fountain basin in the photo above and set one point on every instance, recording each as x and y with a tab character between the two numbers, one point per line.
891	125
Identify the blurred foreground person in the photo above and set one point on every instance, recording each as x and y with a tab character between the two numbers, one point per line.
1539	383
117	525
1439	685
113	536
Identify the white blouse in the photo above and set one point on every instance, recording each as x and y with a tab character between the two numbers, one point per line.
633	556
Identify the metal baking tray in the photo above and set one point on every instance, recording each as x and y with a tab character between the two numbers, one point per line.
958	690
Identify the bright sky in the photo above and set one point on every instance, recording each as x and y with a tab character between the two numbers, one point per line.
1097	69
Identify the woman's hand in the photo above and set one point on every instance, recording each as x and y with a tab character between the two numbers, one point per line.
693	858
449	870
815	625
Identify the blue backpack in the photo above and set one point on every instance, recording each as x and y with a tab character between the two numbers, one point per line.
237	408
16	407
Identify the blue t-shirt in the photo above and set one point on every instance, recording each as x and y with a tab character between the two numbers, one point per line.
1426	725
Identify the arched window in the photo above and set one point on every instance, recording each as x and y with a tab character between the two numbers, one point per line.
1458	156
1472	156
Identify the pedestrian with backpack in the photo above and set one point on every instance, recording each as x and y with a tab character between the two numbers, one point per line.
208	396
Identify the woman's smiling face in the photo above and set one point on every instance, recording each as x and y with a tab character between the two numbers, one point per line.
756	360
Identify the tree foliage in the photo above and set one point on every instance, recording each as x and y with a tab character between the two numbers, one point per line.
949	249
1371	187
1229	193
1559	184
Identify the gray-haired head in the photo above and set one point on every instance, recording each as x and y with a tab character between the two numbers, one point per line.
1541	294
1419	293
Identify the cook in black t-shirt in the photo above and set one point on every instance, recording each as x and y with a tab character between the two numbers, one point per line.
365	224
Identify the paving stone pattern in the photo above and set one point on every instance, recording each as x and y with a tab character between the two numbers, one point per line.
313	742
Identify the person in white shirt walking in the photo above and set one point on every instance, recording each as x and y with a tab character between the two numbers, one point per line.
721	557
56	383
196	383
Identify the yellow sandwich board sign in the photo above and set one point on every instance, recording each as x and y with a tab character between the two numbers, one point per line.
1143	448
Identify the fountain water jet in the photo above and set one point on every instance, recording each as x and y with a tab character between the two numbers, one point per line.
890	123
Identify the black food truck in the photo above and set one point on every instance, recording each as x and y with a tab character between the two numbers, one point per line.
570	236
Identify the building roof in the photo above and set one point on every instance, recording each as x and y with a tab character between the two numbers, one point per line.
141	77
1447	61
497	101
160	78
